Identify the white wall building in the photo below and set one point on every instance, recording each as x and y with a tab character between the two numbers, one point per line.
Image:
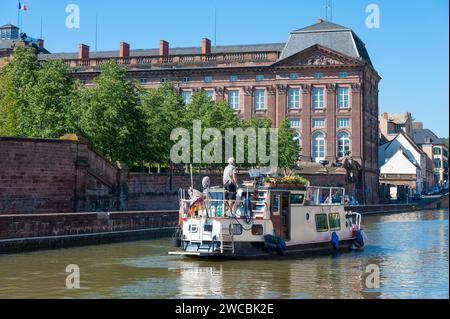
402	163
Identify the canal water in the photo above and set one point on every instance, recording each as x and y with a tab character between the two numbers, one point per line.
411	251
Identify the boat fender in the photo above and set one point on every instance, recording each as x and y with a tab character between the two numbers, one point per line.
270	246
282	244
359	242
271	239
335	240
275	243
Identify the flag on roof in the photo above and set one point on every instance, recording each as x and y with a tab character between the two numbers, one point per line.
22	7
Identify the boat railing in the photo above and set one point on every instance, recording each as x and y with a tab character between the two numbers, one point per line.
215	208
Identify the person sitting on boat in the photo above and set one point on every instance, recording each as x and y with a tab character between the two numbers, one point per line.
230	183
243	204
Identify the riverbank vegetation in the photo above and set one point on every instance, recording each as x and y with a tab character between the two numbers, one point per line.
115	116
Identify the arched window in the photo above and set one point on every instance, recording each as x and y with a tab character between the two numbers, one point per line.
318	146
343	144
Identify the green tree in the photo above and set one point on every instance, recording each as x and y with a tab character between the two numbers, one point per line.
288	147
49	100
164	111
16	79
111	116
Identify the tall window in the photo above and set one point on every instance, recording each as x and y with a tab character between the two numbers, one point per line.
294	99
260	100
318	98
187	97
233	99
437	163
343	98
318	146
437	151
343	144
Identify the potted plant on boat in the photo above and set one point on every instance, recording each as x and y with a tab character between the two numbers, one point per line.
289	181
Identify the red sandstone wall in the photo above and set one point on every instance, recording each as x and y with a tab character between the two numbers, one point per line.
36	176
41	176
55	176
41	225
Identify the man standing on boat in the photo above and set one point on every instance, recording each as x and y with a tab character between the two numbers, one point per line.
230	183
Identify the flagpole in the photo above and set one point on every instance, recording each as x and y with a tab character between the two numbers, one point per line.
18	15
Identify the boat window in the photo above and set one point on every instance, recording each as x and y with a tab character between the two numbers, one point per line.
321	222
307	216
276	205
297	199
257	230
208	228
193	228
237	229
334	221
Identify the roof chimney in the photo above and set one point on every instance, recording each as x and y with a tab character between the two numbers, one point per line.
386	116
320	20
124	50
206	46
40	43
163	48
418	125
83	52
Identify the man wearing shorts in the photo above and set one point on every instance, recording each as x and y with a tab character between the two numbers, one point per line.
230	183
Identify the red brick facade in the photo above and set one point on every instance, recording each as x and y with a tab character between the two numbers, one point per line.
271	69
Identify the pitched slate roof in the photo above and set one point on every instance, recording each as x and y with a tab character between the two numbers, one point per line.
426	136
6	44
274	47
8	26
11	44
330	35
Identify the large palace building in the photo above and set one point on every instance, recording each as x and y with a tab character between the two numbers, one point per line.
322	80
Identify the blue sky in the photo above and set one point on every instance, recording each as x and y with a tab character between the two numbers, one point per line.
410	50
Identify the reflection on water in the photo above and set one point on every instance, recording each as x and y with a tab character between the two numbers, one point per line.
410	249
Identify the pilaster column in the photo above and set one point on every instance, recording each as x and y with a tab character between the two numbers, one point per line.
281	104
272	104
357	124
331	123
247	108
306	123
220	94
